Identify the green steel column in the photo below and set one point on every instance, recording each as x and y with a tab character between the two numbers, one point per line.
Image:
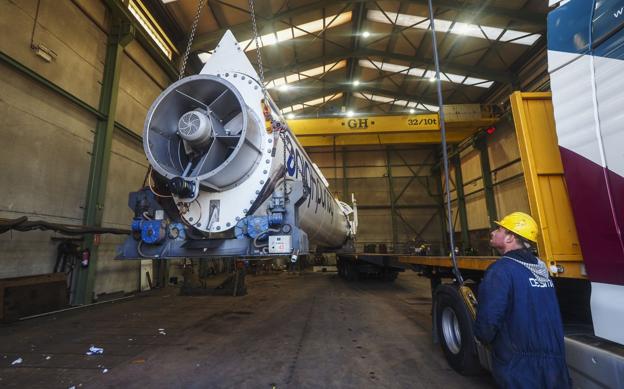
461	203
486	174
121	34
392	201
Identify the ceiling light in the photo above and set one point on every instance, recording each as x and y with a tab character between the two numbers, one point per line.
290	116
349	113
284	88
411	110
356	83
365	34
465	29
432	79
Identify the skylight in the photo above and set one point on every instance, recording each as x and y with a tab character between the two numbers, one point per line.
422	73
297	31
306	74
403	103
467	29
309	103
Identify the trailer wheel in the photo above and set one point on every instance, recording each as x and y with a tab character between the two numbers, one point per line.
454	329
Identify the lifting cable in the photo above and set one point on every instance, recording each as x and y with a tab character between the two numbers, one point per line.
449	218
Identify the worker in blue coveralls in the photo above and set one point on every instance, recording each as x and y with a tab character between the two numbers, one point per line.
518	314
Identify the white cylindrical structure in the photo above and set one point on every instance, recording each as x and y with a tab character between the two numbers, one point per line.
209	130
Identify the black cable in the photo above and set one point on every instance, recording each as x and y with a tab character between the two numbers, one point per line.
436	61
23	224
12	224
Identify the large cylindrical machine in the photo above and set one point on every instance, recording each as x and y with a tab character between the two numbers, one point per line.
227	180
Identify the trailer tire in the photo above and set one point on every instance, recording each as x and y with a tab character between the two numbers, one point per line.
454	329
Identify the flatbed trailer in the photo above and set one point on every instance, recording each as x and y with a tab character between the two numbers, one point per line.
445	264
353	266
593	361
438	268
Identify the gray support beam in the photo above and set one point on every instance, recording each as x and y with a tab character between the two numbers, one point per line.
461	203
243	30
446	67
358	19
122	33
466	12
344	88
397	31
400	96
218	15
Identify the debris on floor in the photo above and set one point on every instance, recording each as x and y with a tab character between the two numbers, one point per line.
17	361
95	350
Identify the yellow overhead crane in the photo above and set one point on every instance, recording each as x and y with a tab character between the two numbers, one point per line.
384	129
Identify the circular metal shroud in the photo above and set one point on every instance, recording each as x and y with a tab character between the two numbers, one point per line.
223	161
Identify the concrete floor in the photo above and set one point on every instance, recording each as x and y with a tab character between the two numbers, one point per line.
309	331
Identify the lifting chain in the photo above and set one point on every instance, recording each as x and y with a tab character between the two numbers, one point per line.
200	6
256	38
276	127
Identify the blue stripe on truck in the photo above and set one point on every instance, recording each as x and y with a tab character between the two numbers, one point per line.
588	27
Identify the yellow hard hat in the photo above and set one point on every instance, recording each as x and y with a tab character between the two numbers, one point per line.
521	224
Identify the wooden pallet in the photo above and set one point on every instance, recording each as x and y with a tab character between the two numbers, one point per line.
30	295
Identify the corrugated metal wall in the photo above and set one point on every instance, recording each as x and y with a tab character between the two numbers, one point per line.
47	140
411	186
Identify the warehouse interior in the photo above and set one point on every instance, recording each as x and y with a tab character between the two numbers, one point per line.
78	78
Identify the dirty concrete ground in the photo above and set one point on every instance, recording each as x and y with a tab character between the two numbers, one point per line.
309	331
